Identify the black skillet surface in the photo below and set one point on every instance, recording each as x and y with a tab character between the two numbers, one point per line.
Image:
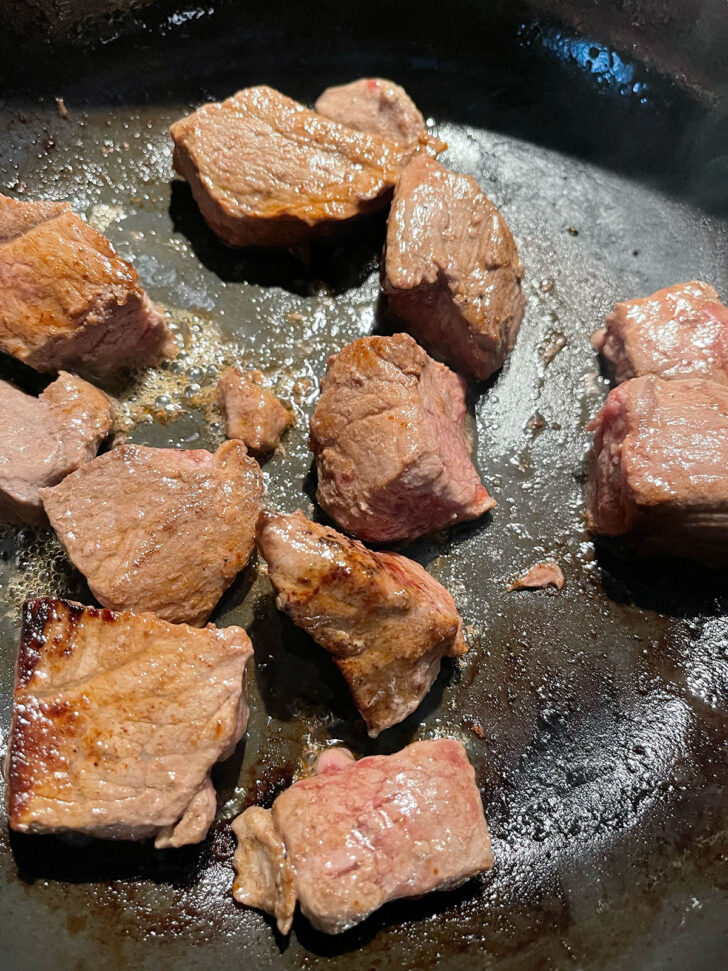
603	709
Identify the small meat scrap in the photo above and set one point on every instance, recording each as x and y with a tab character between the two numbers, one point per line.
43	439
117	720
67	299
379	106
389	438
658	467
160	529
546	574
386	622
451	269
252	413
678	332
265	171
358	834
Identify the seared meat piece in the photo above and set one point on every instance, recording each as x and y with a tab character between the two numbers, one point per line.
451	268
546	574
389	439
160	529
43	439
679	332
386	622
265	171
358	834
67	299
658	467
252	413
379	106
117	720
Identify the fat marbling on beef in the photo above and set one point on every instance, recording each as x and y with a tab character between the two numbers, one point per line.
389	438
658	467
252	413
678	332
160	529
451	268
117	720
43	439
380	106
67	299
386	622
266	171
358	834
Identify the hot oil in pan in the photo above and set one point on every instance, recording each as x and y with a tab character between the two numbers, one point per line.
602	709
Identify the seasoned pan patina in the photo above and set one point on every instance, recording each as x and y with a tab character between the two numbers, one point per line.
595	716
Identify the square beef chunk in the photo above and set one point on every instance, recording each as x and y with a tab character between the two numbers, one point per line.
386	622
658	467
67	299
451	269
358	834
43	439
160	529
678	332
266	171
117	720
389	438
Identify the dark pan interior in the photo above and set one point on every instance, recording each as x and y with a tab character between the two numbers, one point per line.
603	708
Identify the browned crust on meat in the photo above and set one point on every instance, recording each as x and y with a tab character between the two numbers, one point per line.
35	724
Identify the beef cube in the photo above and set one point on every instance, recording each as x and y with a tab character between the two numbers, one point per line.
160	529
265	171
389	439
252	413
358	834
386	622
117	720
678	332
451	269
43	439
379	106
67	299
658	467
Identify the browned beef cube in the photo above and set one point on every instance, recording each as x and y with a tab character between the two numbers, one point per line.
679	332
658	467
389	439
451	269
117	720
67	299
386	622
160	529
265	171
357	834
43	439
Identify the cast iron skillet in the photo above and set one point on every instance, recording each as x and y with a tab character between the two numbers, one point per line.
603	709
